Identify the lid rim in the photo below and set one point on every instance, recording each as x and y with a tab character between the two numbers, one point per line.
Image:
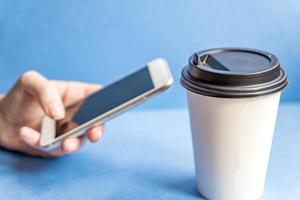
271	84
233	94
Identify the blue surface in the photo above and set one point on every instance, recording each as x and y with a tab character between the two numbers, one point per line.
143	155
99	41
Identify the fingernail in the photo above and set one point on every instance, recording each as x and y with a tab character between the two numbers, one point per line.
98	136
56	110
25	133
95	138
71	146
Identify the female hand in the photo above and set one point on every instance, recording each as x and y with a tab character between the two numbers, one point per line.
25	105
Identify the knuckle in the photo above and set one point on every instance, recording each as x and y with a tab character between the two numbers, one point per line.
27	76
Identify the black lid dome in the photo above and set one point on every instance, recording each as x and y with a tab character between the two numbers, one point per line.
233	73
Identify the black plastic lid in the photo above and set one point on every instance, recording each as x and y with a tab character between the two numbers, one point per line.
233	73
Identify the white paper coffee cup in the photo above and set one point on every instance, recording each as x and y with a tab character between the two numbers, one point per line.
233	97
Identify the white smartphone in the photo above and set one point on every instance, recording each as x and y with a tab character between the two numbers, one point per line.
108	102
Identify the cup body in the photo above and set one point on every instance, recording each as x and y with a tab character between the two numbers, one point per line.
232	140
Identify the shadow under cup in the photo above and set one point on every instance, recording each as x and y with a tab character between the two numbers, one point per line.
233	97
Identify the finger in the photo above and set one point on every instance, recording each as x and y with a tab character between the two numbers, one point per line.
71	145
29	136
32	138
91	88
45	92
73	92
95	133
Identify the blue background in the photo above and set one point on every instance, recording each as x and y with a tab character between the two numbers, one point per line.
99	41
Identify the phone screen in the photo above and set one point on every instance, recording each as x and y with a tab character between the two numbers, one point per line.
106	99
